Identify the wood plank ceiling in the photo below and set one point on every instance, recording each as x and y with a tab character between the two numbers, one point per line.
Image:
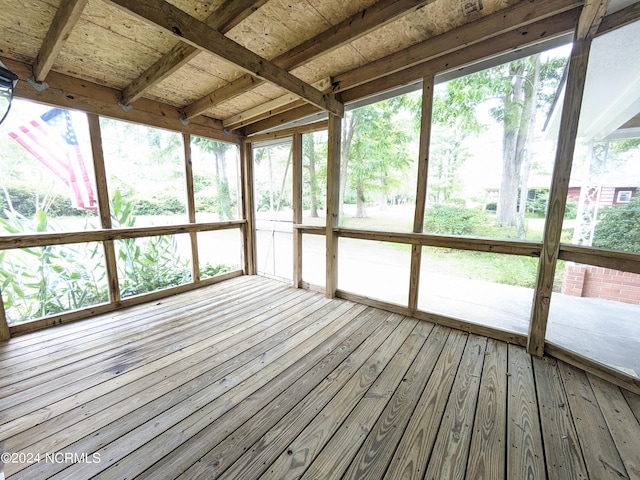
248	65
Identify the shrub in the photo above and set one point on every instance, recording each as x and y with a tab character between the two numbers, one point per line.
571	209
168	205
491	207
619	227
451	220
43	281
23	201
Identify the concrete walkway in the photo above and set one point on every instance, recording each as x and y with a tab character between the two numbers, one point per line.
603	330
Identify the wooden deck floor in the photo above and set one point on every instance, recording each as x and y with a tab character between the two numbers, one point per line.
252	379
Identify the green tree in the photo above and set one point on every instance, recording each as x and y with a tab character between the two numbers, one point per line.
374	153
454	121
619	227
521	88
315	157
223	201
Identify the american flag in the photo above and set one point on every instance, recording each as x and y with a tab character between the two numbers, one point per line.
52	139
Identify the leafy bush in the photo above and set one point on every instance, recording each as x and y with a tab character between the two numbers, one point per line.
42	281
491	207
23	201
209	270
571	209
451	220
264	201
206	204
619	227
520	271
168	205
146	264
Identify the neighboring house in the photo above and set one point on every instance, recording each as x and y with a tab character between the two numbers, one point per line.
608	195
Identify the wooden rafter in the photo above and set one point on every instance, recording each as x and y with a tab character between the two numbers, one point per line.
350	29
264	110
486	28
200	35
592	14
69	92
620	18
65	19
511	18
505	41
223	19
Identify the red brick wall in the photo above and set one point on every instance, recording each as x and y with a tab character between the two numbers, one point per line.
598	282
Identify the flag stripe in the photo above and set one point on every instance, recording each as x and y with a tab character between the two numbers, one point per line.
30	142
52	140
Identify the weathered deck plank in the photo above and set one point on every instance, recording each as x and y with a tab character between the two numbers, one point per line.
525	457
622	424
252	379
562	450
599	451
488	443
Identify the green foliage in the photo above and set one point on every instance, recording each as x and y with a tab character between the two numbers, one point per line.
279	203
619	227
220	201
208	270
168	205
520	271
491	207
145	264
43	281
376	150
24	201
200	183
452	220
538	204
570	209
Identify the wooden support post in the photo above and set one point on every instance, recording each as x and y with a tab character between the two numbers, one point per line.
191	207
333	203
558	195
296	149
103	204
248	212
5	333
421	191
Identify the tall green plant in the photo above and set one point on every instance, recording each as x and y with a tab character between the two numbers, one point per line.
145	264
42	281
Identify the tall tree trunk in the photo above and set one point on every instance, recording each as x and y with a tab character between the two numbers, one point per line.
222	187
218	189
347	137
360	213
224	184
506	213
313	181
271	202
528	126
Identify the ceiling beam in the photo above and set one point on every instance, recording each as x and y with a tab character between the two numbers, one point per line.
620	18
231	90
510	18
504	42
223	19
73	93
65	19
519	18
198	34
288	132
272	107
354	27
592	14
